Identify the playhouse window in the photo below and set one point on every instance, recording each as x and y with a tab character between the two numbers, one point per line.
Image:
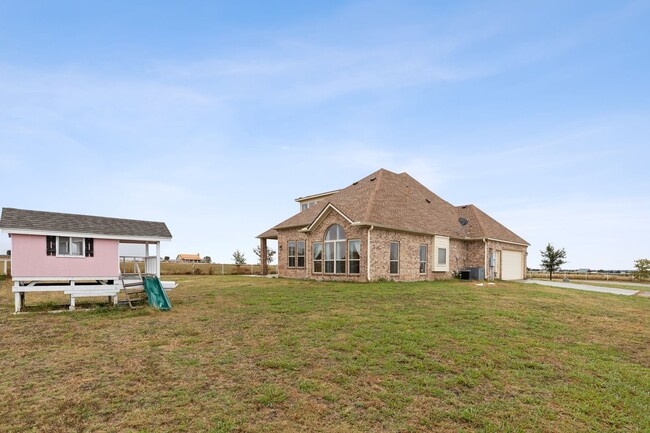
68	246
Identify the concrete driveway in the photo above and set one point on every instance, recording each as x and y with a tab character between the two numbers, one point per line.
587	287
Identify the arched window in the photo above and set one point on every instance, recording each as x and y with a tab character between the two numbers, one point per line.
335	250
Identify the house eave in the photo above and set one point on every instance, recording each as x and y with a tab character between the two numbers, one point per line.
495	240
11	231
315	196
322	215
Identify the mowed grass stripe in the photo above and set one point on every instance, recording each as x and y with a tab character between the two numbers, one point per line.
252	354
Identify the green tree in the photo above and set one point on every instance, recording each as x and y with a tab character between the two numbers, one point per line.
552	259
270	253
207	259
642	267
238	258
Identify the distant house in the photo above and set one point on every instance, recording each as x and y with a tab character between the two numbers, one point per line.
389	226
189	258
75	254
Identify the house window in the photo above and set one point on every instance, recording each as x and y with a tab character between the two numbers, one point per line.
317	251
354	256
394	257
423	259
335	250
68	246
442	256
292	254
300	252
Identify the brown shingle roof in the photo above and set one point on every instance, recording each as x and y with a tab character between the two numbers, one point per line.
21	219
400	202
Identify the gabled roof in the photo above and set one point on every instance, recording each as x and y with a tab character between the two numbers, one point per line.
399	202
39	222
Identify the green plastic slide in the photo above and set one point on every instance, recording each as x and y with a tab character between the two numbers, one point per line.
156	294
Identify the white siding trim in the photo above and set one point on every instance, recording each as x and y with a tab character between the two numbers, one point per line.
440	242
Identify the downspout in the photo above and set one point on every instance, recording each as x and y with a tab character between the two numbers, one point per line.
485	256
368	253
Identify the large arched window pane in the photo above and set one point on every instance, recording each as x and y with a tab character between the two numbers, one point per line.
335	250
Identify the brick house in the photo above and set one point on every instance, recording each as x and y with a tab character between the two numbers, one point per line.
389	226
189	258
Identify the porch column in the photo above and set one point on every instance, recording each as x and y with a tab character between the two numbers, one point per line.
158	259
263	257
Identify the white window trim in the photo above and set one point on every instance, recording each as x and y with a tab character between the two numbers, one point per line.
72	256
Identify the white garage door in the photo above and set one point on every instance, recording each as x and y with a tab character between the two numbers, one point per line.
512	265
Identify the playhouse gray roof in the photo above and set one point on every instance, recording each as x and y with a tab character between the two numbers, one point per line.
54	222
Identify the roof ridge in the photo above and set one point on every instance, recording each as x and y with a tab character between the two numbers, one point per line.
373	193
477	218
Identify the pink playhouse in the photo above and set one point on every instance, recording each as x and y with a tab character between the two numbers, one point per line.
78	254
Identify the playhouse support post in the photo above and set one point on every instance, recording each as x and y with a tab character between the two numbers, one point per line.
17	302
263	257
72	301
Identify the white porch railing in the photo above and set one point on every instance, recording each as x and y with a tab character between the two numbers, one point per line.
151	266
136	264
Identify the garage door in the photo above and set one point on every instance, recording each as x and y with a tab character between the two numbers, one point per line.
512	265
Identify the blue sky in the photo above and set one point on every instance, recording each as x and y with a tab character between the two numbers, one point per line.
214	116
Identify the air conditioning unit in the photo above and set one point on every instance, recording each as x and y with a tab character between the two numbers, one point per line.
477	273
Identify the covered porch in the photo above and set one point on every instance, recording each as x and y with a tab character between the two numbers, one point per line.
264	248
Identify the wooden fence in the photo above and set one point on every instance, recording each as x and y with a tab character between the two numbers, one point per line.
172	268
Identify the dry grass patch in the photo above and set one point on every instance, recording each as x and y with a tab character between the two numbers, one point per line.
253	354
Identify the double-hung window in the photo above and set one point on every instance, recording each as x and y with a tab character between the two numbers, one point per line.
394	257
354	256
423	259
69	246
442	256
291	250
317	252
300	253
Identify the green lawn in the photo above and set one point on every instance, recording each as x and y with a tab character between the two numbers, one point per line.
261	355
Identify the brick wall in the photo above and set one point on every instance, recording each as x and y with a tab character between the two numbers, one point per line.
461	255
501	246
318	235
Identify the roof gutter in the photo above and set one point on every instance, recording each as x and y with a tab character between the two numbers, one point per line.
368	253
485	253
